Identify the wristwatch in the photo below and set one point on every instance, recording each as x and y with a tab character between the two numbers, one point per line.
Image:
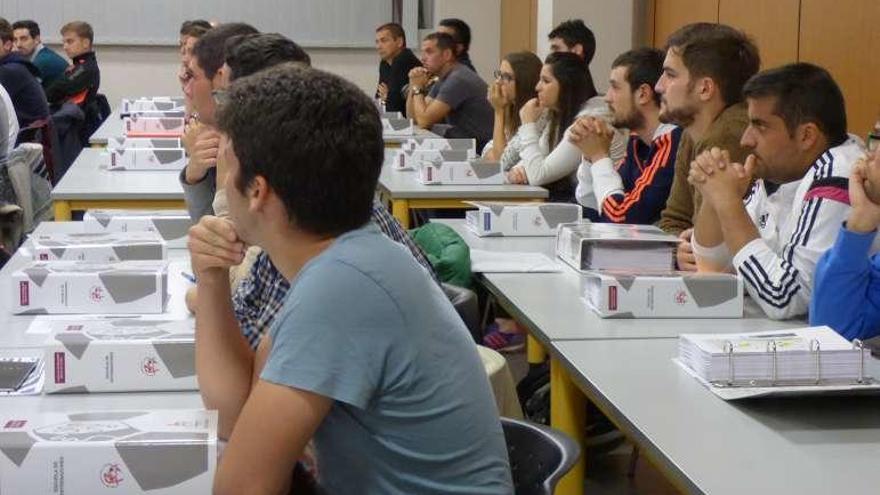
418	91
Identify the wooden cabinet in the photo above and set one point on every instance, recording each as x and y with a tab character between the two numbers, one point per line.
669	15
518	25
773	24
843	37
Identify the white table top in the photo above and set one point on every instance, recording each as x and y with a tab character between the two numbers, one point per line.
419	133
793	446
89	179
404	184
112	127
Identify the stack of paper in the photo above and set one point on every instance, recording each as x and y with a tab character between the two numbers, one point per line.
608	246
796	358
102	247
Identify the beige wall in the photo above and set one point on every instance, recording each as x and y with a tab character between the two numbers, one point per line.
484	18
613	23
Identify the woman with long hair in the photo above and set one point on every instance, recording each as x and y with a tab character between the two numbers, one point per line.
514	85
565	91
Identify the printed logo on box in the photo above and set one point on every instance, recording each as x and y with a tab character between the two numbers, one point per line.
96	294
681	298
612	298
15	423
44	256
111	475
60	369
487	219
150	366
74	328
24	298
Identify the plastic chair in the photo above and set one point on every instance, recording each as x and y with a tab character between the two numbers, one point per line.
539	456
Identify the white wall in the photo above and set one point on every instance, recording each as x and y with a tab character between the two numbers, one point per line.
612	22
484	18
138	70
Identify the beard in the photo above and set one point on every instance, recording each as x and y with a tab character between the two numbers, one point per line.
682	116
632	120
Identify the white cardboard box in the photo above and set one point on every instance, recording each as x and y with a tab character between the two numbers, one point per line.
172	225
136	126
120	355
390	115
615	246
152	104
410	159
124	143
497	219
437	144
468	172
77	287
104	247
159	452
627	294
398	127
146	159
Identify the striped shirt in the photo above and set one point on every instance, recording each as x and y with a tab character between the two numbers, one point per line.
634	191
797	222
262	292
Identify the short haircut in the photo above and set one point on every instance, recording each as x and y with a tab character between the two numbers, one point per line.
195	28
252	53
444	41
804	93
32	27
720	52
462	31
643	66
575	32
210	49
395	29
80	28
5	30
325	174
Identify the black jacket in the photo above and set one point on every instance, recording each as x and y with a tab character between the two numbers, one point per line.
396	76
19	77
79	84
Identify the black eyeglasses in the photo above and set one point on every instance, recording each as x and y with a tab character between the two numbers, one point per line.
503	76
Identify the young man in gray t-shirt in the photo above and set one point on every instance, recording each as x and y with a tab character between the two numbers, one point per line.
458	98
367	357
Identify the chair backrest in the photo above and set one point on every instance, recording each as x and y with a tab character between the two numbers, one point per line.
539	456
42	132
466	304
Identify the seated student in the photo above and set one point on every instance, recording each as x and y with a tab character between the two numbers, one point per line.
397	61
705	68
8	124
368	357
515	82
201	140
634	190
82	79
801	158
573	36
30	46
458	98
846	294
258	297
190	32
461	33
19	77
565	92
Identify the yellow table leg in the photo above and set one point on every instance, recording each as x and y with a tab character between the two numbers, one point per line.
400	210
568	414
535	353
62	211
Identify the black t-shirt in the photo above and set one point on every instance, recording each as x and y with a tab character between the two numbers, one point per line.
396	76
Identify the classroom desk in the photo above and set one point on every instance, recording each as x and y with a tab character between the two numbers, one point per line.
402	189
110	128
16	341
549	305
798	446
88	184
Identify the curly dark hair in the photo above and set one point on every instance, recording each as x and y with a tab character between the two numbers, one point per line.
314	137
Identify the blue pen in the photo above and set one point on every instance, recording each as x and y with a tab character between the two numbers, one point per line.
189	277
